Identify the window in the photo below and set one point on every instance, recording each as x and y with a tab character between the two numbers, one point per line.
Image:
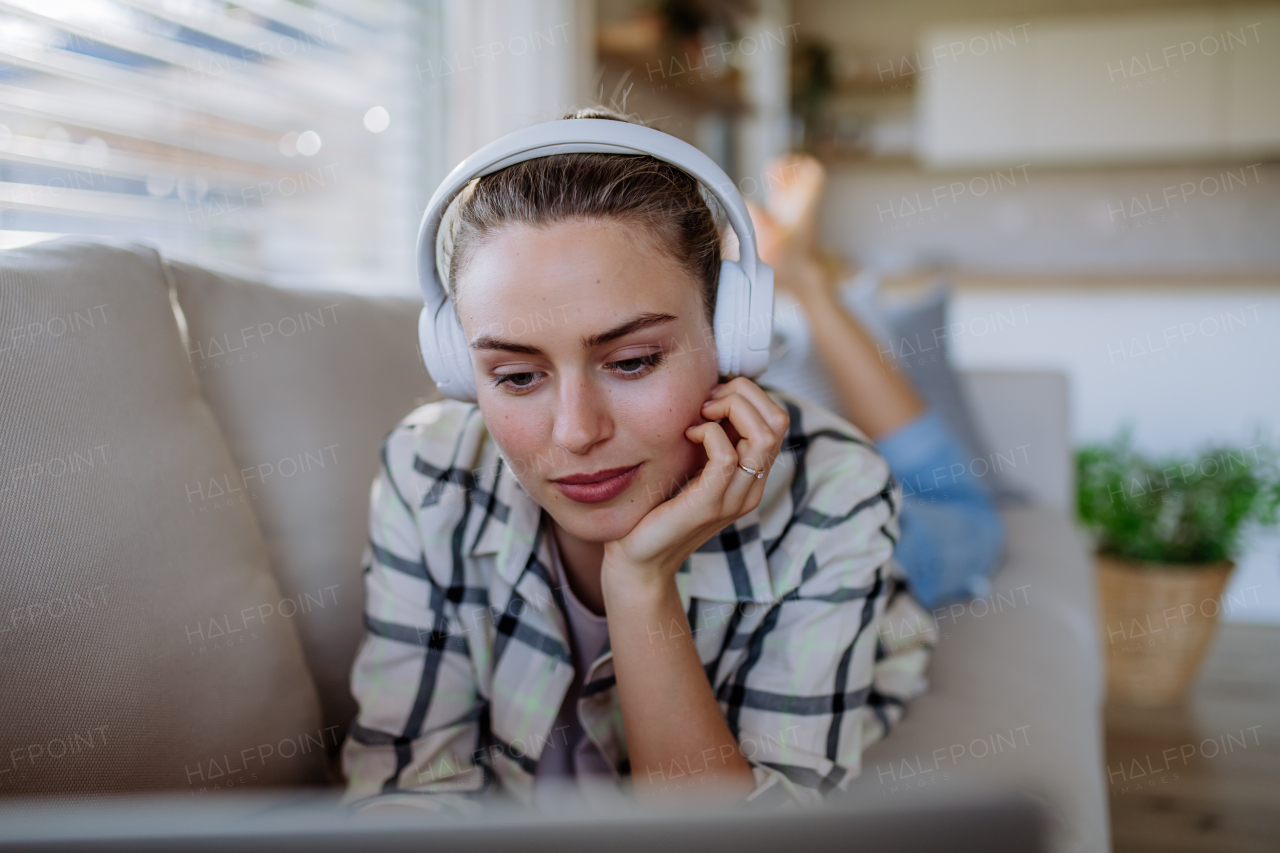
286	136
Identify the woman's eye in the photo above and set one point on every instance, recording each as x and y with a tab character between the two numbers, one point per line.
639	364
516	380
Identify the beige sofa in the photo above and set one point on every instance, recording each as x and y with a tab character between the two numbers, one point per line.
186	457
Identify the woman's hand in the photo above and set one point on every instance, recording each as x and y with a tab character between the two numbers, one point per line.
670	714
723	492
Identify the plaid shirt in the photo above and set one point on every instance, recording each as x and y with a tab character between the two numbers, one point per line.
465	661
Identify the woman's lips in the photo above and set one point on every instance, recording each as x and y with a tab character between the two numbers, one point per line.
598	487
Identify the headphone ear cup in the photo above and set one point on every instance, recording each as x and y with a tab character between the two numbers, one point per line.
757	324
444	351
732	298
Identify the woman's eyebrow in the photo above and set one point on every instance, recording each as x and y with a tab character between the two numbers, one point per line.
643	321
490	342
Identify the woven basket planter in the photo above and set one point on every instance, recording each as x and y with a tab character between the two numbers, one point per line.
1158	621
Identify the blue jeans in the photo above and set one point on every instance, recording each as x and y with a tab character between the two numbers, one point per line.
951	534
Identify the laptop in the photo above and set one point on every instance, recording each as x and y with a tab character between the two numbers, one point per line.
283	822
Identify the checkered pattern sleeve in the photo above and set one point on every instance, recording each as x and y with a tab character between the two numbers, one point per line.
418	725
814	685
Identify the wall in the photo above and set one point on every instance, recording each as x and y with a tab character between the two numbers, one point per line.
1093	262
874	31
1208	219
1181	368
507	64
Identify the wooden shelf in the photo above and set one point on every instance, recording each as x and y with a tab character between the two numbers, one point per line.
979	280
702	88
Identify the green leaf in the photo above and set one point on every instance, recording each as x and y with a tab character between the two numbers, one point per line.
1180	510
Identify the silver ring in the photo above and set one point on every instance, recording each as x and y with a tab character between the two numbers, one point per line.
752	471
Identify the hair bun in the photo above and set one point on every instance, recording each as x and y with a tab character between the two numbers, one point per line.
605	113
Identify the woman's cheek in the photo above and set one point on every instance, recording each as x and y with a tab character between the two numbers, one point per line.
518	437
672	412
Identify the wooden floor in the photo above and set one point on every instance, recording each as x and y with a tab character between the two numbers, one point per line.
1205	776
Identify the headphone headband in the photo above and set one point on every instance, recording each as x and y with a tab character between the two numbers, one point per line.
573	136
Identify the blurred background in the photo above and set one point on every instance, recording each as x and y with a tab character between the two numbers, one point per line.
1098	181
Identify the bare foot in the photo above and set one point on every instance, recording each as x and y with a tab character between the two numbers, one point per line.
794	185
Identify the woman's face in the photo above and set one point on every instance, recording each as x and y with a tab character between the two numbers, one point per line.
592	355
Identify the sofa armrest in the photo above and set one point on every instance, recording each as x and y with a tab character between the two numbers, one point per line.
1024	418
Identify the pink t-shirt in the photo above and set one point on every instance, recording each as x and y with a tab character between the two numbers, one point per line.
569	753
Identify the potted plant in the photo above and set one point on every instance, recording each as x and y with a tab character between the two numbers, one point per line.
1167	532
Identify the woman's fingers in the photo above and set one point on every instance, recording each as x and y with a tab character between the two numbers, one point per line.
760	442
776	418
711	485
684	522
722	492
758	438
714	442
774	415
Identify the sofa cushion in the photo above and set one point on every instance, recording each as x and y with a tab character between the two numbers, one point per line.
1024	419
126	662
914	334
917	333
1015	691
305	386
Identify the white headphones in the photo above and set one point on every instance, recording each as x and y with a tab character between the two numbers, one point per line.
743	320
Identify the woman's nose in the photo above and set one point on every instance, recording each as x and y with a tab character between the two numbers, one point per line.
582	416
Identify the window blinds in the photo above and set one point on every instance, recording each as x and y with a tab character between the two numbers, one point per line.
281	135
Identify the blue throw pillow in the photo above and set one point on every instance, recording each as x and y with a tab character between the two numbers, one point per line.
912	334
916	335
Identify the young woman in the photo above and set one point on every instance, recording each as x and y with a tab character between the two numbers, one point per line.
618	568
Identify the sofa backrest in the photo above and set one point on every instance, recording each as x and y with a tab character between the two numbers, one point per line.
1024	418
305	385
187	456
140	642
